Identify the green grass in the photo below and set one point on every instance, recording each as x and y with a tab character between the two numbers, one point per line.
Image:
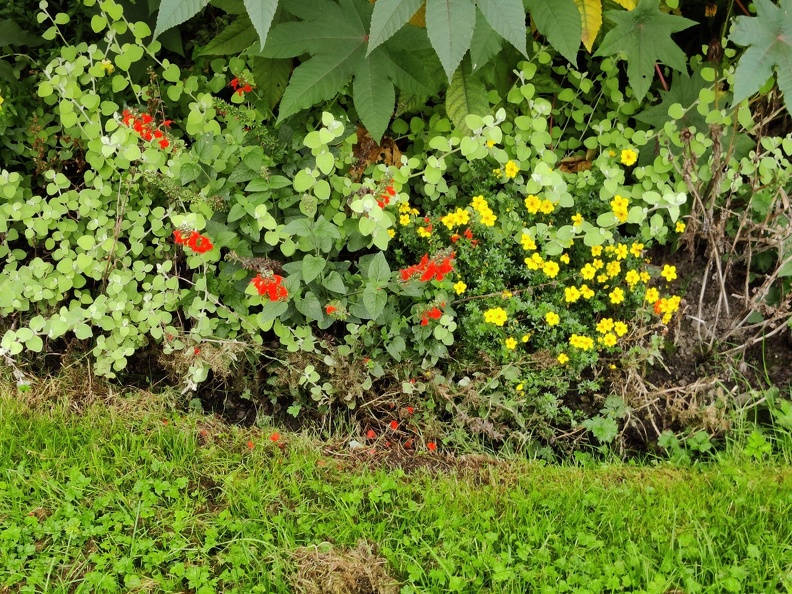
105	502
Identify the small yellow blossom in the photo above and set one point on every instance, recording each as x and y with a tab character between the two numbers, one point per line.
609	339
680	227
597	263
550	269
619	205
616	296
424	232
613	268
552	318
107	66
588	272
507	295
488	218
496	172
404	219
490	143
669	273
510	343
666	318
496	315
564	258
460	287
404	208
519	387
652	295
577	220
644	276
629	157
532	203
621	251
596	251
605	325
563	359
526	337
632	278
602	278
620	328
479	203
448	221
547	207
527	242
391	233
636	249
584	343
586	292
571	294
512	169
461	216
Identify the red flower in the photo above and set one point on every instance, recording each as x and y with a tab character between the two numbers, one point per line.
432	446
330	309
657	308
410	410
275	436
408	444
158	134
424	320
394	425
435	269
196	351
167	123
390	190
250	445
468	233
270	286
164	143
178	237
435	313
146	118
370	434
455	237
234	83
240	86
199	243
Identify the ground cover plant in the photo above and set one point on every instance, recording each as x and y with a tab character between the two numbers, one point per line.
137	496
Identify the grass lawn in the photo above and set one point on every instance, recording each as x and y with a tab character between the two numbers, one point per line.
109	501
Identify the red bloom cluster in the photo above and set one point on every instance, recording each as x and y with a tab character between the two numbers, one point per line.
385	199
330	309
270	286
467	235
145	126
195	241
240	86
435	268
434	314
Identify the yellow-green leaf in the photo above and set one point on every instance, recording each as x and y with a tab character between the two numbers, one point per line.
628	4
591	16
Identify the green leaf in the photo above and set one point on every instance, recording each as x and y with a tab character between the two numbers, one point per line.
271	76
768	37
378	270
175	12
260	13
312	267
684	91
408	72
507	19
333	282
644	34
395	349
560	22
388	17
310	307
486	43
604	429
449	25
13	34
465	95
235	38
374	95
374	299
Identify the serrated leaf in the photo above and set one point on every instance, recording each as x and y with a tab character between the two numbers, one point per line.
319	79
507	19
271	76
13	34
684	91
175	12
449	24
644	34
768	37
485	44
407	71
374	95
235	38
591	20
260	13
330	31
388	17
559	21
465	95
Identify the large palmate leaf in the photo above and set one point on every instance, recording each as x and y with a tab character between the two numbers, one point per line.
685	91
13	34
371	90
175	12
449	24
644	35
235	38
507	19
591	20
271	77
485	44
260	13
559	21
768	36
389	16
465	95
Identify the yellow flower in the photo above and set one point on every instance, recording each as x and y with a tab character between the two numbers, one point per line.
652	295
619	206
490	143
563	359
602	278
1	102
605	325
512	169
404	208
506	294
552	318
461	216
613	268
404	219
596	250
577	220
510	343
460	287
479	202
519	387
586	292
644	276
621	251
620	328
391	233
532	203
496	172
488	218
448	221
581	342
632	278
588	272
628	157
571	294
669	273
666	318
616	296
107	65
609	339
564	258
547	207
526	337
597	263
424	232
550	269
496	315
636	249
527	242
612	153
680	227
415	212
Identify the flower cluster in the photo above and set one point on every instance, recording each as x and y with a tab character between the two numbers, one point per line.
385	198
240	86
456	219
535	205
584	343
435	268
511	169
496	315
481	206
146	127
195	241
270	286
431	314
619	206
